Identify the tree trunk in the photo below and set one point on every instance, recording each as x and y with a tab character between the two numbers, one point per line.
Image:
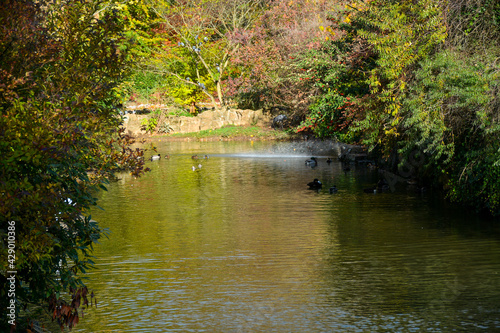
220	94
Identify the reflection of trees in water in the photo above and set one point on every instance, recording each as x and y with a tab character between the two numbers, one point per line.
242	244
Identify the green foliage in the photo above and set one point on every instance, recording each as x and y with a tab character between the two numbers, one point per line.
473	24
362	76
399	34
190	65
179	112
478	184
231	131
448	94
444	107
183	93
60	70
451	115
201	39
144	85
138	40
338	82
165	128
149	124
326	116
158	120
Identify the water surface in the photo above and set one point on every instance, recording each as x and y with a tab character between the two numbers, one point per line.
241	245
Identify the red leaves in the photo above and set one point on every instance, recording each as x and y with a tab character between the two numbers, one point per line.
67	314
73	319
65	310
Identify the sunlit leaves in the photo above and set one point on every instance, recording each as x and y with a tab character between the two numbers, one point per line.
203	37
451	116
399	34
268	72
60	67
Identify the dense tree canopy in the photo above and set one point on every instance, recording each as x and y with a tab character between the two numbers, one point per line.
398	76
415	81
61	64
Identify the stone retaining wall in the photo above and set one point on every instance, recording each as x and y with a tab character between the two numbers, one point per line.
204	121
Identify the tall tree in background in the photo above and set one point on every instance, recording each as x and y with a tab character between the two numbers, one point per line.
60	67
203	35
268	71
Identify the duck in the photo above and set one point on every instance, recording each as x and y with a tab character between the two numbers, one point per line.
194	157
206	157
328	160
315	184
333	189
155	157
312	162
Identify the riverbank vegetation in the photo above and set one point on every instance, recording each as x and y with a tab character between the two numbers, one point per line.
60	68
417	82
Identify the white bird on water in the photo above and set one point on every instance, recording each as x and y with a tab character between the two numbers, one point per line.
195	169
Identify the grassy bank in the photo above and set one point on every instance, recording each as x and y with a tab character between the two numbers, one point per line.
231	132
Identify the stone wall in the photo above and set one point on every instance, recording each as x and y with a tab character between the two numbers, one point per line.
204	121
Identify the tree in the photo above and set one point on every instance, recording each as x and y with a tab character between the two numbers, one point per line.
399	34
452	119
203	35
60	67
269	67
420	97
451	111
142	32
332	70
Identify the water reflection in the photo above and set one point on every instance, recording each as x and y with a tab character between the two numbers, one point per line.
243	246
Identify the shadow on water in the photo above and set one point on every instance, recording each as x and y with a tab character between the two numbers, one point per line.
241	245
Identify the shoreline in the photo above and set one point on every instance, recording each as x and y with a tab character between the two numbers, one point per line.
227	133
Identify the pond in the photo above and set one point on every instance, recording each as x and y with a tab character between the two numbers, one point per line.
242	245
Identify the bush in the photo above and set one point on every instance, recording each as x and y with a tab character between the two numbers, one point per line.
60	143
452	115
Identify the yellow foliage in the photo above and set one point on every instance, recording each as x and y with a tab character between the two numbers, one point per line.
392	132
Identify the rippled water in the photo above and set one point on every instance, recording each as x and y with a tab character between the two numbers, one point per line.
241	245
